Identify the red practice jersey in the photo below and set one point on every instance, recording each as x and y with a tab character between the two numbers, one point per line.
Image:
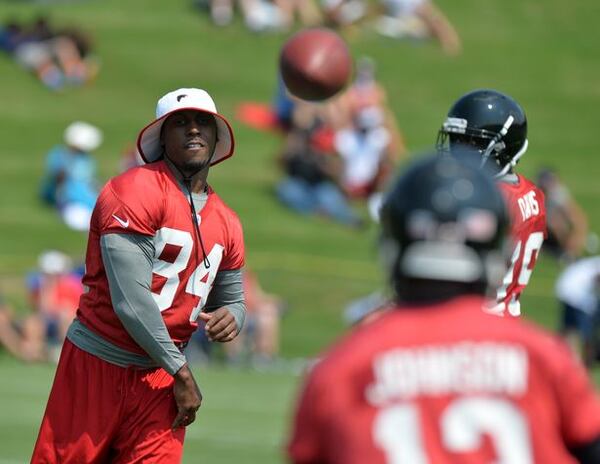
527	212
147	200
445	384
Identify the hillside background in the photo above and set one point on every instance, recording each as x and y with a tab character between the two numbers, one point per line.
544	53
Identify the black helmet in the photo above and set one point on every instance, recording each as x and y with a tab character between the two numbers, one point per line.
443	220
489	121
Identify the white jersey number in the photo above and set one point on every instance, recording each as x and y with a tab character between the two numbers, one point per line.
532	247
463	424
199	283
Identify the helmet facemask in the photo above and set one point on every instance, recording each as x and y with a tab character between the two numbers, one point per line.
488	123
490	146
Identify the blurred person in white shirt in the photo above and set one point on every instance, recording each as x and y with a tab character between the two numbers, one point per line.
418	19
578	291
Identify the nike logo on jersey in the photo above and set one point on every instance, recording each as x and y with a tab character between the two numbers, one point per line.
121	221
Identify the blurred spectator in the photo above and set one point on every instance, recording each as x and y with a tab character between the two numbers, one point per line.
259	15
283	106
70	182
418	19
370	142
567	224
130	158
365	91
12	338
366	309
11	34
53	291
279	116
312	169
263	16
365	149
306	11
578	291
260	335
221	11
258	342
57	57
276	116
340	13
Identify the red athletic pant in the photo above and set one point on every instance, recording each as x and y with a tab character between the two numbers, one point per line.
98	412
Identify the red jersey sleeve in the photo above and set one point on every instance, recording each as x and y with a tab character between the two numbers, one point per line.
577	399
306	445
124	207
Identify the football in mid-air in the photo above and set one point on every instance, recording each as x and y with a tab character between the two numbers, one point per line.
315	64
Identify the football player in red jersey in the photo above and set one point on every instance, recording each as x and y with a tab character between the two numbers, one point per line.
434	379
495	125
164	251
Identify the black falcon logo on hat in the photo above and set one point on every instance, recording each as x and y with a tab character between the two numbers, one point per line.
179	97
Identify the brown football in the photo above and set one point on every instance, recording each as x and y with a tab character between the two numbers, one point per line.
315	64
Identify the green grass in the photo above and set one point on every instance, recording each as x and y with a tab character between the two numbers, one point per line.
544	53
234	424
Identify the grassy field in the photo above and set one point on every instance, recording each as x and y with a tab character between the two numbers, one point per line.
243	417
544	53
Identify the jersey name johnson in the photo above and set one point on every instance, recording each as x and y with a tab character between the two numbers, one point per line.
460	368
414	387
476	381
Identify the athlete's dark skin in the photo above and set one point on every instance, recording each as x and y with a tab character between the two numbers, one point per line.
189	138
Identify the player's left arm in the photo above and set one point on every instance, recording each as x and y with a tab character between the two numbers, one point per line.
579	405
310	424
225	309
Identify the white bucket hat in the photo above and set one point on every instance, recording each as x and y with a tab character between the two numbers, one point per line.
83	136
148	141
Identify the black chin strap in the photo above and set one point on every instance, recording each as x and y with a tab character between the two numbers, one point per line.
187	182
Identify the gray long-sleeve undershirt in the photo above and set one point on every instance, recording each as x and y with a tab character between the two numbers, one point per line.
128	260
128	263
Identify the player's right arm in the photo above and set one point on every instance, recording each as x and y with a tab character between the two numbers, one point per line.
127	215
127	260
